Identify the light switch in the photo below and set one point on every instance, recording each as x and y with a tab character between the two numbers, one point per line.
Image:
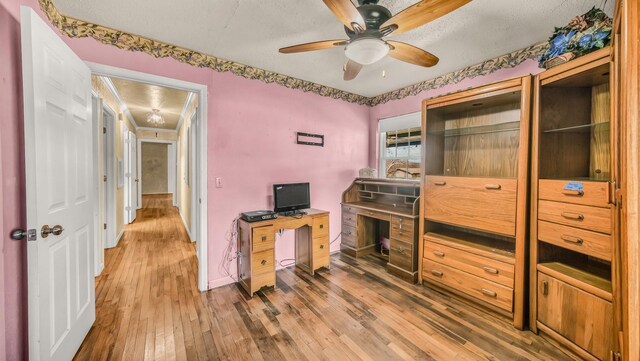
218	182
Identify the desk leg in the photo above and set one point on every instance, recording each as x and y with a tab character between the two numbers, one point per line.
303	248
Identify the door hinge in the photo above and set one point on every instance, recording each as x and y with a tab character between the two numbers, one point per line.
104	179
104	226
104	130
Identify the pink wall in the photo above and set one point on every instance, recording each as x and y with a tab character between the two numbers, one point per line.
13	285
251	139
413	104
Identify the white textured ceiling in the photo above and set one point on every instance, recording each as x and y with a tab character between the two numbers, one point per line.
251	32
141	98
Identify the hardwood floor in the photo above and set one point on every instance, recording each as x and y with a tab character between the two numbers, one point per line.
149	308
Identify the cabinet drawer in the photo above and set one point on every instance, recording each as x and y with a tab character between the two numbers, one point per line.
348	236
320	227
592	194
479	288
349	209
581	317
402	228
585	217
262	262
375	214
489	269
401	254
320	247
579	240
263	239
349	219
481	203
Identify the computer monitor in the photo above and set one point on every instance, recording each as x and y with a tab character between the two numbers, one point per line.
291	197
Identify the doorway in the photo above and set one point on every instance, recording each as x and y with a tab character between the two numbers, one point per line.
158	167
198	161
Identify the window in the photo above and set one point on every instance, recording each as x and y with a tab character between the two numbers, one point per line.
400	147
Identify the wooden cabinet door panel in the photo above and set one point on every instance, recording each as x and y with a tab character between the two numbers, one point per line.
581	317
485	204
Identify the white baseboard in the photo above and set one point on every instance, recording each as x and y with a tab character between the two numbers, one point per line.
118	238
185	226
221	282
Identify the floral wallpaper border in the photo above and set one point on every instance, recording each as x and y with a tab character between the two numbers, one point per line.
75	28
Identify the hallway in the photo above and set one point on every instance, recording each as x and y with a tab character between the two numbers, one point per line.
147	297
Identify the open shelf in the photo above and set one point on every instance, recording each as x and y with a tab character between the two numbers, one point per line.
592	280
486	246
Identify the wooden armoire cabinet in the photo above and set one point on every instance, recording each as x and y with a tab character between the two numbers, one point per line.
574	215
473	212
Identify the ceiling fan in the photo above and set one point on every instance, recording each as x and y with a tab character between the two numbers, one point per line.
367	25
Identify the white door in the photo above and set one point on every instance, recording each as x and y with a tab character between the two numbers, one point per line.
126	173
58	169
133	180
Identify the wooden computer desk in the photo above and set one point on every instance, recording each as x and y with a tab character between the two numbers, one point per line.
256	244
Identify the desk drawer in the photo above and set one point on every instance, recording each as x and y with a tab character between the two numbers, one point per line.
479	288
349	210
349	219
579	240
483	267
263	238
320	227
481	203
262	262
348	236
401	254
593	193
375	214
585	217
402	228
320	251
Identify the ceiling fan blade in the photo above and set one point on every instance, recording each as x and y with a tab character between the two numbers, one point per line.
411	54
421	13
351	70
346	12
316	45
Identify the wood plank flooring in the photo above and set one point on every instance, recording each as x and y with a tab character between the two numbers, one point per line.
149	308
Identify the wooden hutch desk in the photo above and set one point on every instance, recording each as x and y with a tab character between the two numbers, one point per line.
256	244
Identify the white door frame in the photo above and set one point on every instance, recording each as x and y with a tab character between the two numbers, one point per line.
110	186
193	181
201	191
171	164
96	109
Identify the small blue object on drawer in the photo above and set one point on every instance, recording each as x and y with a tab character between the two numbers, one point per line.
573	186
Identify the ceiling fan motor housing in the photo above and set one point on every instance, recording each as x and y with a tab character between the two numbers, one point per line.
374	15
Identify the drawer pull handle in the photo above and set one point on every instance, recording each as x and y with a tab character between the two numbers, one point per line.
264	238
348	233
493	186
440	183
490	270
545	288
572	239
400	227
438	253
572	192
322	246
489	293
573	215
263	262
400	250
437	273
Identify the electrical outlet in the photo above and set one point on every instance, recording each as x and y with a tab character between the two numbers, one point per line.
218	182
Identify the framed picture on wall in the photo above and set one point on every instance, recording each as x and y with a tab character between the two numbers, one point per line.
120	173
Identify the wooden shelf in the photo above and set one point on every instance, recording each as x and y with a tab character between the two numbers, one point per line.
584	280
481	245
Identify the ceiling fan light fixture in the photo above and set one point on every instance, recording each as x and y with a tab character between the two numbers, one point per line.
366	51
